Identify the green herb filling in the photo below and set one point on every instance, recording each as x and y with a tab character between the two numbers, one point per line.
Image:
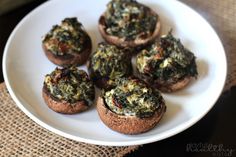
167	60
132	97
129	19
67	38
70	84
110	62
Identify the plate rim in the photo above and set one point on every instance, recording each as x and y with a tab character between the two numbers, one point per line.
181	127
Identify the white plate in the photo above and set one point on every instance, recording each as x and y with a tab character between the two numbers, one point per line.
24	67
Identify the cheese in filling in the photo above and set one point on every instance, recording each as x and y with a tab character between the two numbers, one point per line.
132	97
110	61
67	38
167	60
129	19
70	84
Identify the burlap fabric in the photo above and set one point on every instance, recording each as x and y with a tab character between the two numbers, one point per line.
20	136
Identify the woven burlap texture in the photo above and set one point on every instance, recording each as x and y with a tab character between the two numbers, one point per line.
20	136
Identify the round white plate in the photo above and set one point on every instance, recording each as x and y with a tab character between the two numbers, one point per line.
25	65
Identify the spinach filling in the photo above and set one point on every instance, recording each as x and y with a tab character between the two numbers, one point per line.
70	84
110	62
132	97
167	60
129	19
67	38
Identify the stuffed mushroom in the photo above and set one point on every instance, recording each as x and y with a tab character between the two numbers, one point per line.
68	90
131	107
167	64
127	23
108	63
68	43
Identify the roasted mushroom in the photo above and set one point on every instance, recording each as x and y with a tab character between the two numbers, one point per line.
68	90
167	64
132	107
67	44
107	63
127	23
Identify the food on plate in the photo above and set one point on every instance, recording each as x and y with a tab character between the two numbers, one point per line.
127	23
68	43
68	90
167	64
131	107
107	63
